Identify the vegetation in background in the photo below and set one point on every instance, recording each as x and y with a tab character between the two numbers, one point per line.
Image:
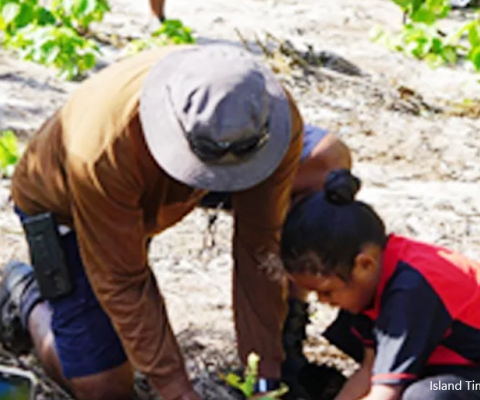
53	36
171	32
247	385
9	153
422	38
79	14
59	36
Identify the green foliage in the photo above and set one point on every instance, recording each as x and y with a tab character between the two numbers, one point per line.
472	30
9	153
53	37
421	37
56	37
175	32
424	11
423	42
171	32
17	14
247	385
79	14
58	47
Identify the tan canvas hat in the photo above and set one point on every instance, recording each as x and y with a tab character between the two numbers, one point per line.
215	118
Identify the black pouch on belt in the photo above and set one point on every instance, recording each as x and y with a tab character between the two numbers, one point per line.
48	258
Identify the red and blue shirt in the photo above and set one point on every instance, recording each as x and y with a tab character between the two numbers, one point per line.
426	312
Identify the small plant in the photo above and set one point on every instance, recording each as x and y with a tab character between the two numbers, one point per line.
58	47
171	32
247	385
79	14
423	42
472	32
17	14
53	37
424	11
9	153
422	38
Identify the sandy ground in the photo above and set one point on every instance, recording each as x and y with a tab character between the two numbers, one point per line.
414	145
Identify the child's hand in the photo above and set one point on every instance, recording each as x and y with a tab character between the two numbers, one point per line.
384	392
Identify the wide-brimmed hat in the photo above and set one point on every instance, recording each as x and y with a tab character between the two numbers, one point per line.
215	118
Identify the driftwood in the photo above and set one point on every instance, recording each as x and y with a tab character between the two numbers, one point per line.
326	66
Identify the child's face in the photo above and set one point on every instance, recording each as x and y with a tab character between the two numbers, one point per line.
354	295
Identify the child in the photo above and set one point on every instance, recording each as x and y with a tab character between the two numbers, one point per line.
416	306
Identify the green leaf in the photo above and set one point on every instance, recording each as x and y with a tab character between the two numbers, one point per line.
247	386
474	57
89	60
426	16
175	32
81	7
9	154
233	380
415	6
449	54
251	373
436	46
44	17
67	5
9	12
474	34
418	48
402	3
25	16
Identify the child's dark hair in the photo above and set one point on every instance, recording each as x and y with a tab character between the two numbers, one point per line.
326	230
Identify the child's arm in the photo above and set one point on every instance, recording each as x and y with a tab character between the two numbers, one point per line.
384	392
359	383
412	322
359	387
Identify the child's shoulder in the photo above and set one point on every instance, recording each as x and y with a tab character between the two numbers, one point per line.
414	265
428	258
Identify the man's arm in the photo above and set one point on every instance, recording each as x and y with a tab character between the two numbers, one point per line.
258	298
108	221
329	153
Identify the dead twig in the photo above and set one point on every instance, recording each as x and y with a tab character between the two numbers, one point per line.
242	39
263	47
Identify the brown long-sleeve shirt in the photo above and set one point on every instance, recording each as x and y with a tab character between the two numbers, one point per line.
90	166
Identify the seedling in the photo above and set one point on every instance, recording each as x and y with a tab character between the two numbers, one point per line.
422	37
9	153
171	32
247	385
52	36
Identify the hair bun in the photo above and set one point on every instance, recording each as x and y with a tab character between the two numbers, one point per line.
341	187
